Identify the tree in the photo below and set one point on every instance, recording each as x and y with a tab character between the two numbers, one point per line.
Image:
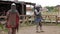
55	10
50	8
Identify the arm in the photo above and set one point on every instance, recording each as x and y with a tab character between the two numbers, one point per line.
7	15
41	16
37	12
18	14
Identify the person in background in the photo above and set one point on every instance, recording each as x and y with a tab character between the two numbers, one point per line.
12	19
38	17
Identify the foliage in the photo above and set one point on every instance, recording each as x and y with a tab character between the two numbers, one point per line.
2	28
50	8
55	10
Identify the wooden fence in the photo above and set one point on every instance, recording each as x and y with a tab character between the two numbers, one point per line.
46	18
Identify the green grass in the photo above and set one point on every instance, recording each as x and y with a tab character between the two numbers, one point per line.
49	13
58	24
26	25
51	24
2	28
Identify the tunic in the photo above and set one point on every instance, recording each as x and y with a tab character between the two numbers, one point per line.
12	19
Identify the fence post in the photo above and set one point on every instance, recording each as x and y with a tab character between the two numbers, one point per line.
44	17
56	20
23	19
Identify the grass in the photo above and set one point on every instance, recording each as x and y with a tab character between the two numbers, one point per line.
26	25
2	28
29	25
49	13
51	24
58	24
44	24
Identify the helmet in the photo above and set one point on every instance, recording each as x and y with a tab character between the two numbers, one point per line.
38	5
13	7
13	4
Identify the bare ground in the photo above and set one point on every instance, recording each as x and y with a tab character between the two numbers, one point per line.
46	29
32	30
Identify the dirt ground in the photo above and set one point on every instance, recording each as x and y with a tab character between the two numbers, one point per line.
46	29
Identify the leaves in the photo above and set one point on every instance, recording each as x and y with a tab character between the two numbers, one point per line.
53	9
50	8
